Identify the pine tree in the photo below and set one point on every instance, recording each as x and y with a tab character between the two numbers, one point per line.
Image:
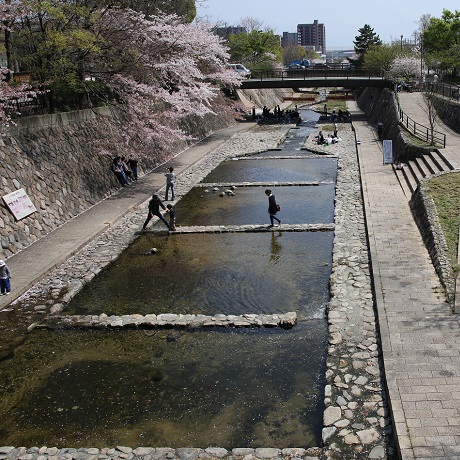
366	38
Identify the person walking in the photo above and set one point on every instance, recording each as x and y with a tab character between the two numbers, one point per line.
273	208
170	180
5	275
154	210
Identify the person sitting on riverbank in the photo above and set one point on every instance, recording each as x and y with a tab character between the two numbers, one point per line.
319	138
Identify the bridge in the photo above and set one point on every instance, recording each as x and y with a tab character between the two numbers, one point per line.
316	78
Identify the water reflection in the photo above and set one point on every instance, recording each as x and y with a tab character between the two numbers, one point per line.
214	273
165	388
275	247
274	170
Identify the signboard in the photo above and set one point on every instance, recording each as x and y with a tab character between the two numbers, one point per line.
387	152
19	204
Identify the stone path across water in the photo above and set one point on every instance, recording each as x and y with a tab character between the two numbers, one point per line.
246	228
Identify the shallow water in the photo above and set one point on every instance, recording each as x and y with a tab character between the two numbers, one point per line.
299	205
202	387
273	170
232	273
227	388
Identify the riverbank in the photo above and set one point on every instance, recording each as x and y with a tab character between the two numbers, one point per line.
356	422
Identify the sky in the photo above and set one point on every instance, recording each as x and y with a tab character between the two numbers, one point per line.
389	18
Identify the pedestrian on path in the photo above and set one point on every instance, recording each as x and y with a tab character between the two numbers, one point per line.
170	180
273	208
172	217
154	210
5	275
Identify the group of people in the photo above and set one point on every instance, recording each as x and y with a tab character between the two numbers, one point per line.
126	171
278	114
328	140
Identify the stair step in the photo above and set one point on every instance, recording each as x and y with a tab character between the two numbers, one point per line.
409	179
443	163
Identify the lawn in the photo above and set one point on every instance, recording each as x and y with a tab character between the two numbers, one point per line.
446	195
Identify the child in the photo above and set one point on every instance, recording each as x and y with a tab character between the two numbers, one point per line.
5	276
172	217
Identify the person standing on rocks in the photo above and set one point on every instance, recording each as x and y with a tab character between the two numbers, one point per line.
5	275
170	180
154	210
273	208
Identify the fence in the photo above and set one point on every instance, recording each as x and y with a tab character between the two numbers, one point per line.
422	132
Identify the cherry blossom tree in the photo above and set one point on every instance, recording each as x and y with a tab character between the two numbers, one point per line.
158	69
405	68
164	71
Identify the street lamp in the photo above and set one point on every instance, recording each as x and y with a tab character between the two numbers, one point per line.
401	43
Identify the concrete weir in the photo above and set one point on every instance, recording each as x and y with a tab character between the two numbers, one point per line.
285	320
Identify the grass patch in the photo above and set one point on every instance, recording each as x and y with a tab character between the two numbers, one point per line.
445	191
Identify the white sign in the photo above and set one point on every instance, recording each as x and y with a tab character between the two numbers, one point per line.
19	204
387	152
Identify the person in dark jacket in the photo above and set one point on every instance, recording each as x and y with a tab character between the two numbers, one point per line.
272	207
154	210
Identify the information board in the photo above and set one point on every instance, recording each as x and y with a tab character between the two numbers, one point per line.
387	152
19	204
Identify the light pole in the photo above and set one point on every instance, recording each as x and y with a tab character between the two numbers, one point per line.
401	43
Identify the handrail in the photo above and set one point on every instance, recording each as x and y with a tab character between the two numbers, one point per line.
449	91
308	73
422	132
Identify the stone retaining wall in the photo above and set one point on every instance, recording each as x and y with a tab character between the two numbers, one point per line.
426	218
56	159
380	105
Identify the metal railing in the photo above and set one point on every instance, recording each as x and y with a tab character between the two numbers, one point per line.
423	133
311	73
449	90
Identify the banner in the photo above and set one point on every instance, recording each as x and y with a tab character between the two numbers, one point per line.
19	204
387	152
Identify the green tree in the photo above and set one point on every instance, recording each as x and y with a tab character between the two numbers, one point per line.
257	48
294	53
366	38
441	40
383	56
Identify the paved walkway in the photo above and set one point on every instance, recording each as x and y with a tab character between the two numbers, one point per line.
420	338
30	265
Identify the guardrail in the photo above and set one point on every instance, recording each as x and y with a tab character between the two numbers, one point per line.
450	91
422	132
309	73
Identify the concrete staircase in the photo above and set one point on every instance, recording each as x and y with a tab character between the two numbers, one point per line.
420	168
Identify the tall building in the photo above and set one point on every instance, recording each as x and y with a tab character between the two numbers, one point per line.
312	35
289	39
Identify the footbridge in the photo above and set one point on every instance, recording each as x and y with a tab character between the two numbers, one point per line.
315	78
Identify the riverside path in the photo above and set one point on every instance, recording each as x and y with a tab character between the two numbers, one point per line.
419	335
414	106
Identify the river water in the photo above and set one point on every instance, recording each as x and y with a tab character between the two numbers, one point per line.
198	387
